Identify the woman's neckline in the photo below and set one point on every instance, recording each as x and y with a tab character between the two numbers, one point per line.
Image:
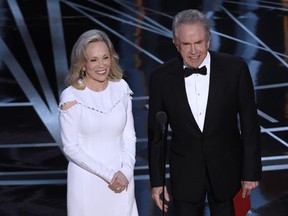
98	91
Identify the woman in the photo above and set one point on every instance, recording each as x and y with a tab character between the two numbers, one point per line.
97	131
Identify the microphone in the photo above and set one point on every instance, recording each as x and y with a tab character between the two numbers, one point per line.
161	117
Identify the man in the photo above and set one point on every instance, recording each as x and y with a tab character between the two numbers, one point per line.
215	145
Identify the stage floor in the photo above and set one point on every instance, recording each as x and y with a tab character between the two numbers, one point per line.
35	45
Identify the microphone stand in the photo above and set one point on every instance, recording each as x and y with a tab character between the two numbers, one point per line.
162	119
164	168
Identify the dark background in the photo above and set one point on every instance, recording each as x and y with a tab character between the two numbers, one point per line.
35	44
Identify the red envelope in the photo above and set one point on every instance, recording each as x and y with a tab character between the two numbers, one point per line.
241	206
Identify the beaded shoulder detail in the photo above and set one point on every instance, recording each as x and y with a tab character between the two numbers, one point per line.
102	111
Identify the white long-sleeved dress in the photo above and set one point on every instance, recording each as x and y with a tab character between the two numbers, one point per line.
99	139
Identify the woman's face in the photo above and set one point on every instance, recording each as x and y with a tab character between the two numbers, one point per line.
98	62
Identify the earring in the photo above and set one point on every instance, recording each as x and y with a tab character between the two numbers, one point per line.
81	77
82	74
80	83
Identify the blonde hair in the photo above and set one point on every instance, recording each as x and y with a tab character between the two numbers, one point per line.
79	58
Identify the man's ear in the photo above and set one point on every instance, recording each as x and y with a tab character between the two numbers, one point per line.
176	44
208	43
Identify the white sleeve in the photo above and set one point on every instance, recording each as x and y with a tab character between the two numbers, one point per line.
129	140
68	120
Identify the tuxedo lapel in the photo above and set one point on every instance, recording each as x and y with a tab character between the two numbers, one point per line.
214	96
178	85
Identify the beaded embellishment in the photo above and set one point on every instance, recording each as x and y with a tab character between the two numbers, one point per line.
101	111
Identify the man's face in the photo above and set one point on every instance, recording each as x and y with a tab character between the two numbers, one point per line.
192	43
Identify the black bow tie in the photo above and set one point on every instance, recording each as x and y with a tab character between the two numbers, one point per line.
190	71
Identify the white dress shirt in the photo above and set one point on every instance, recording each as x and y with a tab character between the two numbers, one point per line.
197	88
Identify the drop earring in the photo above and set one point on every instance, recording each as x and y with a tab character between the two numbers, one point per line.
81	76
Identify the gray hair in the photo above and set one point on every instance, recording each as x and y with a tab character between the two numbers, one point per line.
190	16
79	57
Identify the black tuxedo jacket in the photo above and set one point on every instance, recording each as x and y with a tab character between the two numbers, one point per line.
228	149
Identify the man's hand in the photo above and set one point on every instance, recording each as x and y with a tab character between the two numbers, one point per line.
247	187
156	195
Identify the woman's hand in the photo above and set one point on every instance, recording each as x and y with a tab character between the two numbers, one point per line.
119	182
